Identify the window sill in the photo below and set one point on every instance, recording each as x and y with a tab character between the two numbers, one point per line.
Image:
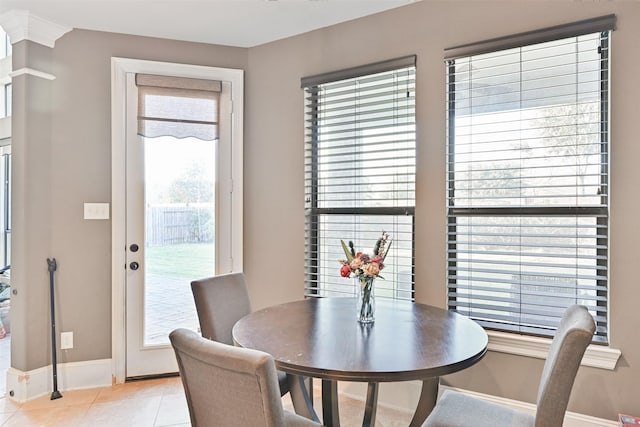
596	356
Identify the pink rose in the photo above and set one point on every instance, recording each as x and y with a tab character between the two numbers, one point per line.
378	260
371	269
345	270
356	263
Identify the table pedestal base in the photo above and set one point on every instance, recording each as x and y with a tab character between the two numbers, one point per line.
428	397
330	412
301	390
303	401
369	419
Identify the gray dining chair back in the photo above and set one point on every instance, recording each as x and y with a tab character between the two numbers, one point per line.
571	340
220	302
230	386
573	336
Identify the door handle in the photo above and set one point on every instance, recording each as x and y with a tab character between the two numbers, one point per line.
134	265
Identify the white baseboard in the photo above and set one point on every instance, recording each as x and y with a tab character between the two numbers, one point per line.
388	398
571	419
23	386
398	396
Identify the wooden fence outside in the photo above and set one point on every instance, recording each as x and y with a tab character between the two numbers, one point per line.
173	224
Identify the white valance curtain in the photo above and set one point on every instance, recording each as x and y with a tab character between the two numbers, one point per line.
178	107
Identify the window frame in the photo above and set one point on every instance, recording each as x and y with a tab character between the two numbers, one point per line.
5	193
6	49
7	95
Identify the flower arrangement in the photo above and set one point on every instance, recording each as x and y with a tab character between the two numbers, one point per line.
366	268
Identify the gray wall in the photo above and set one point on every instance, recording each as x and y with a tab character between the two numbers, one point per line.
62	159
79	170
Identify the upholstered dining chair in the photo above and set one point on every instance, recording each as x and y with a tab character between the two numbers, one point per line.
455	409
230	386
220	302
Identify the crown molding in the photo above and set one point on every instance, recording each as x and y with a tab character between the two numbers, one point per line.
22	25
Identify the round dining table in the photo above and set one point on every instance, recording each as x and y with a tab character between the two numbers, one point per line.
322	338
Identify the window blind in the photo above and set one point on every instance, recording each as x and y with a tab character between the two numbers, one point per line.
177	106
528	185
360	174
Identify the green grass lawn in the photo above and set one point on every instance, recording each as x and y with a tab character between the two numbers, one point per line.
186	260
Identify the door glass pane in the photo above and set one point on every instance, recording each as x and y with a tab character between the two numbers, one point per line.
179	231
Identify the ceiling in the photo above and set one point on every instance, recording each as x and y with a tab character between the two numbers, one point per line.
241	23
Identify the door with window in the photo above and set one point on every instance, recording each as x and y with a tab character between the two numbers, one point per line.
175	128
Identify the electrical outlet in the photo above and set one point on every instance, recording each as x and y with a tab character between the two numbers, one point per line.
66	340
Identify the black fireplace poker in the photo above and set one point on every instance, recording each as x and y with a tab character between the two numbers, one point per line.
52	268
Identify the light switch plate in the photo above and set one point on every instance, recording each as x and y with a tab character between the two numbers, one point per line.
66	340
96	211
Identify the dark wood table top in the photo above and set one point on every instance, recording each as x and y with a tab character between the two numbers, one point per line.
322	338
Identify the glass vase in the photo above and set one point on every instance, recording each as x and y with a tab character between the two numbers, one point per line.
366	304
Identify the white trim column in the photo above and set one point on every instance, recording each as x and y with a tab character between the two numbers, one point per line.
32	86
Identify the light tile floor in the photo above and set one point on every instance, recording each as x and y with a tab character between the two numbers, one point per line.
158	402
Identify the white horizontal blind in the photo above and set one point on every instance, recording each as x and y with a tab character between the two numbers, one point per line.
360	176
528	183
